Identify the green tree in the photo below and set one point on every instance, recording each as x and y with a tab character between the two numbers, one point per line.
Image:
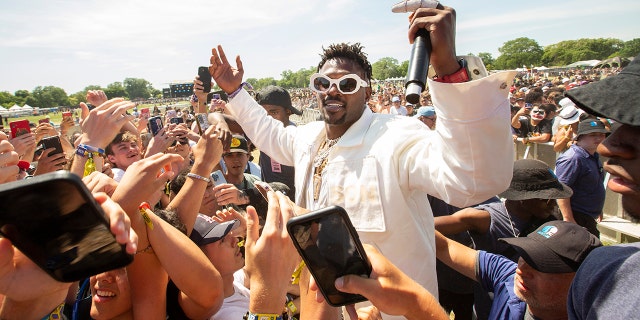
630	48
386	68
137	88
258	84
7	99
115	90
569	51
487	59
518	52
47	97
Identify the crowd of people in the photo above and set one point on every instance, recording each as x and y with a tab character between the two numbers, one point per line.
422	184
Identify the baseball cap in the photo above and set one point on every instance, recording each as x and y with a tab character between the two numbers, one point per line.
276	96
395	99
590	126
616	97
425	111
555	247
206	230
239	144
534	179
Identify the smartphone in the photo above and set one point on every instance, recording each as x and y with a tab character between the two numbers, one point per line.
218	178
45	120
155	124
176	120
172	114
205	77
19	127
202	122
55	221
215	96
331	248
52	142
145	113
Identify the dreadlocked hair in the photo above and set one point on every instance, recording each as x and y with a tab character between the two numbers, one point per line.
346	51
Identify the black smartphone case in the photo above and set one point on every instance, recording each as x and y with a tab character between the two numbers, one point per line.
323	269
205	77
55	221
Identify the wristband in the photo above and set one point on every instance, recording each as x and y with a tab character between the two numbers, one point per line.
242	85
263	316
83	149
143	208
462	75
198	177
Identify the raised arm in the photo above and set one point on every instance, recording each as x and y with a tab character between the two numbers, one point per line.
207	153
468	219
457	256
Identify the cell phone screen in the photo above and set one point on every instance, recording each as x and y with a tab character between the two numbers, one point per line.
55	221
330	247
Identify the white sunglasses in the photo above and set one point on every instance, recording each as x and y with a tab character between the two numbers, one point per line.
346	84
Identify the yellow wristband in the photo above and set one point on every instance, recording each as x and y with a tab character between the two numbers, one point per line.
144	207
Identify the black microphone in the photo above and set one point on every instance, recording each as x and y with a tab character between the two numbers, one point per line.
418	66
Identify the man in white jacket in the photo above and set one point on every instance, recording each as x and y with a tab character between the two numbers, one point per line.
380	168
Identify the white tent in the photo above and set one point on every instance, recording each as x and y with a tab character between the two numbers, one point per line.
15	108
27	107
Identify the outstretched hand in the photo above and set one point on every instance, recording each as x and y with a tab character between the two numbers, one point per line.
227	77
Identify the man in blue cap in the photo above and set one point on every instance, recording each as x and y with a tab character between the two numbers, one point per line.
427	114
581	169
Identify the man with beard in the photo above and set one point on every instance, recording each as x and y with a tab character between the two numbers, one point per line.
606	287
380	168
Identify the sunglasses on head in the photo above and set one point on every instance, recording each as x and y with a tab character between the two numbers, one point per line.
347	84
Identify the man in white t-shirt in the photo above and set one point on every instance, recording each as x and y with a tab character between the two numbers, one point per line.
397	107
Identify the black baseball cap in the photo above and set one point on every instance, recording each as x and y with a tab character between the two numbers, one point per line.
276	96
206	230
555	247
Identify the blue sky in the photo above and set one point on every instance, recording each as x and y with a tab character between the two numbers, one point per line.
75	43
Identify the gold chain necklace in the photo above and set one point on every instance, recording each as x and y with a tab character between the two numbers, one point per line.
319	162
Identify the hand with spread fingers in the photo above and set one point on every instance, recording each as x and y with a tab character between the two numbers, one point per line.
103	123
227	77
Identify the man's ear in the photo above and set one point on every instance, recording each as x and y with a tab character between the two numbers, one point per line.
368	94
111	158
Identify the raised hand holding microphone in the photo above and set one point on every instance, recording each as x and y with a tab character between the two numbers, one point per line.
429	23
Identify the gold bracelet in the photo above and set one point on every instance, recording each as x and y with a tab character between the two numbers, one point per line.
148	249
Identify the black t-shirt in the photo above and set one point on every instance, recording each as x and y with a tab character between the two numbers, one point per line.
174	310
528	130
